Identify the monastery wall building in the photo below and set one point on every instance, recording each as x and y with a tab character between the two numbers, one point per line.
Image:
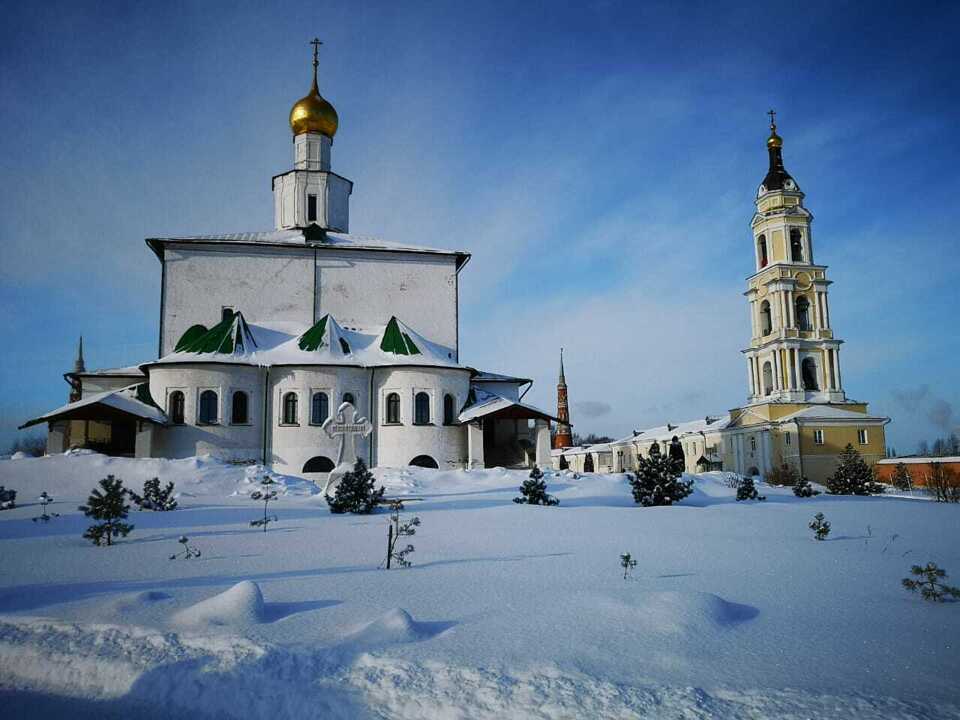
264	336
797	412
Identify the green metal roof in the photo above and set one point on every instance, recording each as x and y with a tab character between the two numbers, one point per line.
229	335
396	341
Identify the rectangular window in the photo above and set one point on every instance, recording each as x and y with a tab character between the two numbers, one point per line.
818	437
786	438
311	208
862	436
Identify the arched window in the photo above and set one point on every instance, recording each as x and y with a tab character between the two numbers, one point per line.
318	464
208	408
393	408
766	318
425	461
290	408
348	397
319	408
803	313
448	409
767	378
175	407
239	411
762	250
808	373
421	409
796	245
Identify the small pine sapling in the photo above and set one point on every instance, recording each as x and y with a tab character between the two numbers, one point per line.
820	526
627	563
746	490
44	516
397	530
355	493
187	552
901	479
929	582
804	488
534	490
658	480
266	493
154	498
107	505
8	498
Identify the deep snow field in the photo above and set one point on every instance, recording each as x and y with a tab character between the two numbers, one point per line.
509	611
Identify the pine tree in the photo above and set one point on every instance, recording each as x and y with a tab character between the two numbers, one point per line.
746	490
355	493
627	563
8	498
658	481
804	488
820	526
397	530
901	477
929	583
109	507
154	498
676	454
534	490
853	476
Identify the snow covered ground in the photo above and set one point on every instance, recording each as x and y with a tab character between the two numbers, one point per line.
733	611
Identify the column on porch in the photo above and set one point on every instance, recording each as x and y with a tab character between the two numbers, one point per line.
543	444
475	445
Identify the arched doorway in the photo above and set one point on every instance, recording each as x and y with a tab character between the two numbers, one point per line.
318	464
424	461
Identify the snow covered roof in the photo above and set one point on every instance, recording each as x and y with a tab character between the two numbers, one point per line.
819	413
125	400
235	341
486	403
132	371
311	236
666	432
490	377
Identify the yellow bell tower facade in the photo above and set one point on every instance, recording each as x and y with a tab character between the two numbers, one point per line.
793	355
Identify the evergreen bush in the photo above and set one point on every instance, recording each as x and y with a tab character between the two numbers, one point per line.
929	583
746	490
8	498
676	454
804	488
853	476
154	498
534	490
658	481
820	526
355	493
107	505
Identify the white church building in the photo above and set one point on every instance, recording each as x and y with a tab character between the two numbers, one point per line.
264	335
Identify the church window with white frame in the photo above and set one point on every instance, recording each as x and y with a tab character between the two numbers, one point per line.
207	413
392	414
421	408
319	407
818	437
862	436
289	407
240	408
175	407
448	409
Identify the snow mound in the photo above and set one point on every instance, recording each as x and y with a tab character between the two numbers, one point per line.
240	605
19	455
676	612
393	627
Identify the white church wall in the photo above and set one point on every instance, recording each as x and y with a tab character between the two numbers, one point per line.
94	384
293	444
364	289
222	439
265	284
397	445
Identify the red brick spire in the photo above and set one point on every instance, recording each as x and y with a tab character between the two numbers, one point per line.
563	438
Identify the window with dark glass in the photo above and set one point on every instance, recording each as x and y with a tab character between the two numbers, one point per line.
208	408
290	409
421	409
175	407
796	246
311	208
393	408
239	411
319	408
762	250
448	409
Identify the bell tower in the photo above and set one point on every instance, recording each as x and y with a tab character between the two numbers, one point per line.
312	194
563	437
793	354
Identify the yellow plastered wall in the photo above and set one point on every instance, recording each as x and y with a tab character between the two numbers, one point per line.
820	461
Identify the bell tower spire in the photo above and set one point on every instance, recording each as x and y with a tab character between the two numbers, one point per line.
563	438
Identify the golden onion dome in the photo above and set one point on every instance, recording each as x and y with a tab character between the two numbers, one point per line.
314	114
774	141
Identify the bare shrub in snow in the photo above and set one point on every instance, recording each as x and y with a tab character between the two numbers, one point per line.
929	583
658	481
627	563
901	477
44	516
355	493
804	488
107	505
266	493
820	526
187	552
748	491
534	490
154	497
783	476
942	483
8	498
397	530
853	476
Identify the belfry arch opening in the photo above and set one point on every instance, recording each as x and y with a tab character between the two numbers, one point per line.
767	378
796	245
766	318
802	314
808	374
762	251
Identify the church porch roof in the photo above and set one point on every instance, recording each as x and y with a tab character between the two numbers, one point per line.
485	403
125	401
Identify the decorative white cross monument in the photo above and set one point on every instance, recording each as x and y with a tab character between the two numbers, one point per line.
346	426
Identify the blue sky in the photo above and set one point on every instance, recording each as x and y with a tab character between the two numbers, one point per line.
599	160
